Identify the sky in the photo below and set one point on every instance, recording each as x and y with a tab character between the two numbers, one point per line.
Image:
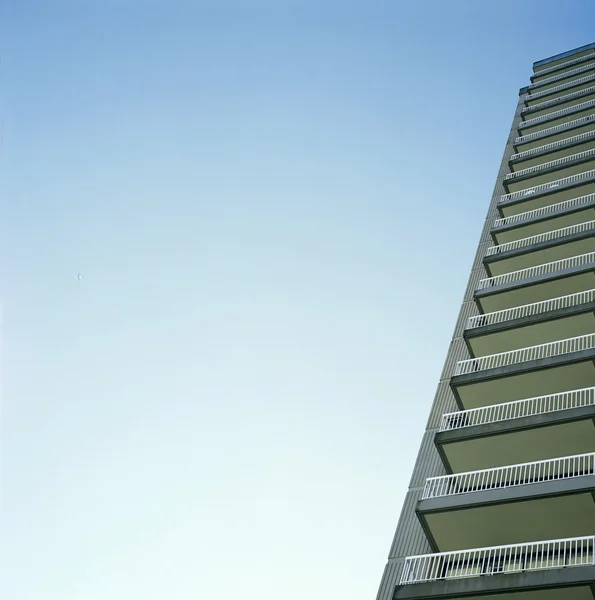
275	207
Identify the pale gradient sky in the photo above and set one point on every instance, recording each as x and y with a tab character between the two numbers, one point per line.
230	403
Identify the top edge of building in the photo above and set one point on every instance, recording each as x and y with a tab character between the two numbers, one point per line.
545	61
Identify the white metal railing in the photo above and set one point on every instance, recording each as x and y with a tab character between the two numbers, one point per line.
512	558
497	478
561	76
563	65
528	310
521	355
557	144
559	99
544	187
551	130
545	210
558	162
544	269
559	88
518	409
554	115
540	237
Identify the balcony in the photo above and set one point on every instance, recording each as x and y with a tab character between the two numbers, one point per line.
545	247
552	81
511	317
533	222
536	124
534	284
558	91
561	569
531	324
521	431
500	478
535	370
557	133
562	145
512	504
551	171
536	196
562	67
554	104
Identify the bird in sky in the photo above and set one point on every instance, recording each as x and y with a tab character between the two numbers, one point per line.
79	277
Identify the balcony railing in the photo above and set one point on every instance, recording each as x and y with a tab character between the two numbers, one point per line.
529	407
544	269
544	187
557	144
513	558
559	99
528	310
561	76
541	237
551	130
559	88
522	355
553	469
552	164
545	210
554	115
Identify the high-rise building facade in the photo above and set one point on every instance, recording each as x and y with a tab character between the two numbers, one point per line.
502	496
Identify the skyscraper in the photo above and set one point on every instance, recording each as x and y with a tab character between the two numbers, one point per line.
502	496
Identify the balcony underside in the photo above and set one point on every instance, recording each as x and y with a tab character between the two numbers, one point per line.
553	285
571	583
533	201
532	101
514	515
564	323
557	220
514	441
525	380
563	151
549	175
541	253
559	105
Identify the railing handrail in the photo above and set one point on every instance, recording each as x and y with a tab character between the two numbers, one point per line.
558	100
563	65
551	267
526	354
544	210
542	187
554	115
540	237
489	560
527	407
557	144
554	129
501	547
534	308
552	163
536	471
559	88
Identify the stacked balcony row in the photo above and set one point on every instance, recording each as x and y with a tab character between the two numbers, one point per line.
519	494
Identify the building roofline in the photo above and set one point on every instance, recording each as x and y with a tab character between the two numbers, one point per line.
539	63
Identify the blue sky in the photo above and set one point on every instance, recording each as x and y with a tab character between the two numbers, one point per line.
275	209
